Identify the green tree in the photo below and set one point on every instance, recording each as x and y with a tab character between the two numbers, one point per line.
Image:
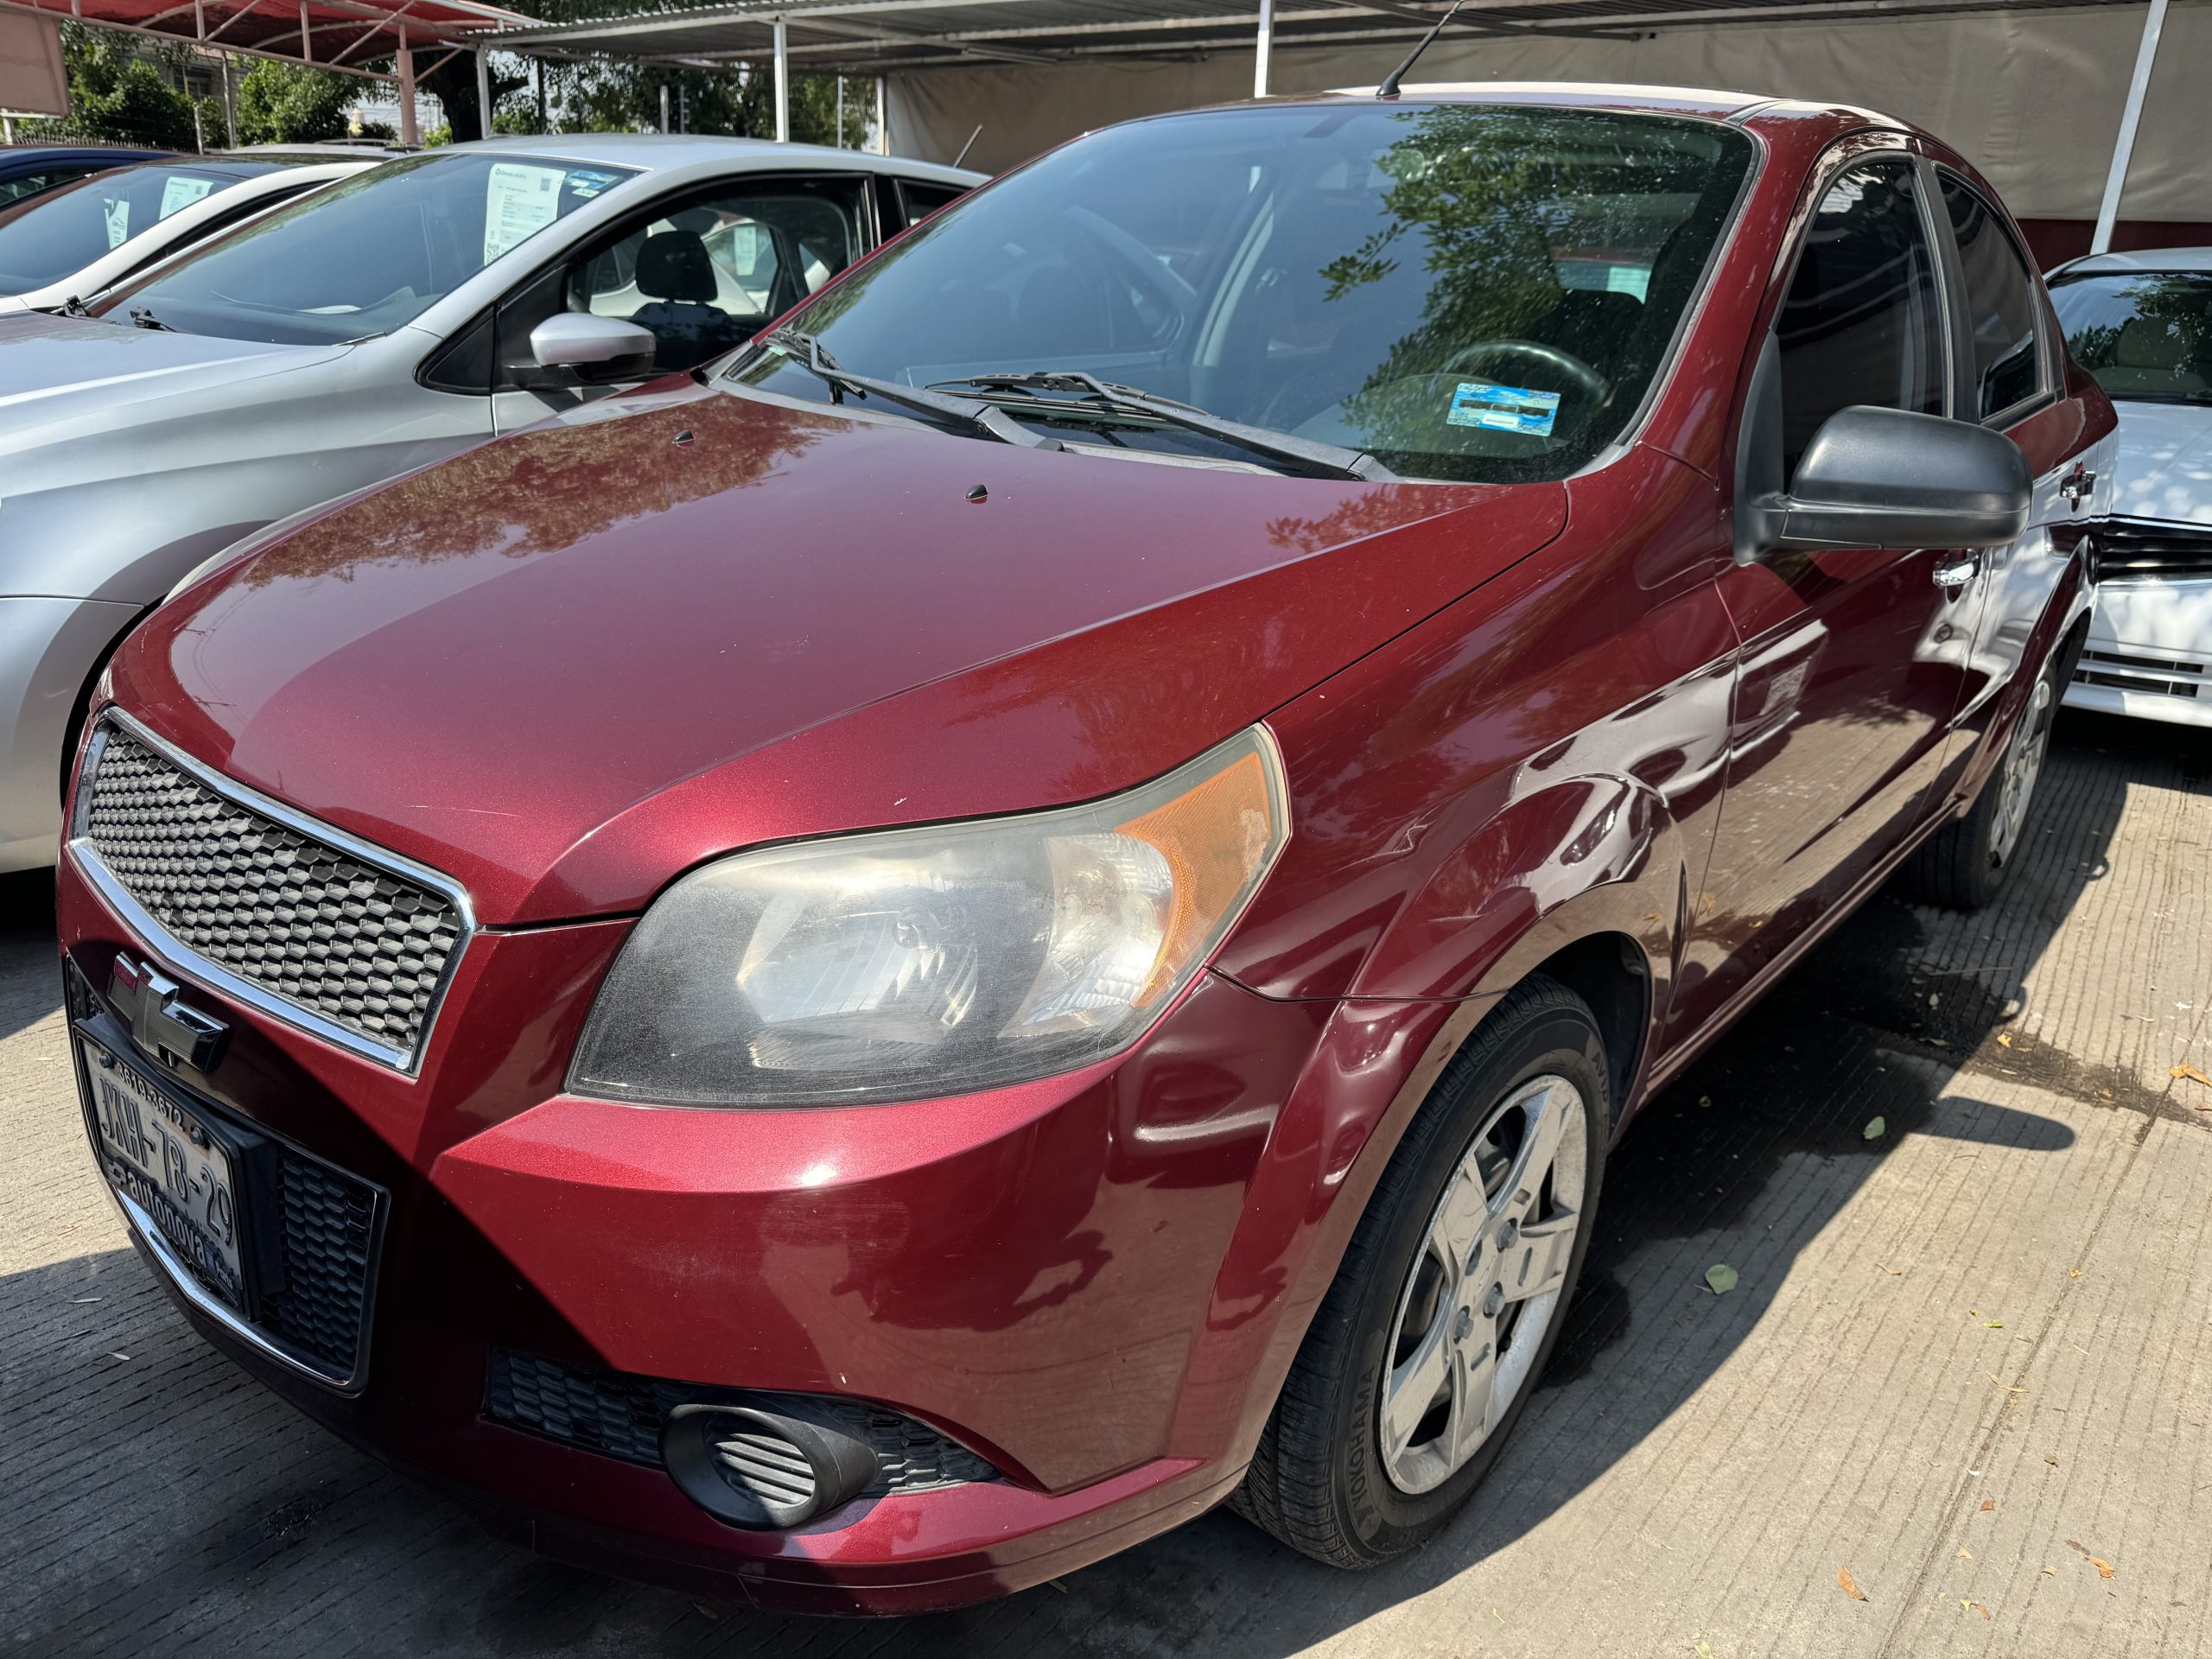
291	104
118	95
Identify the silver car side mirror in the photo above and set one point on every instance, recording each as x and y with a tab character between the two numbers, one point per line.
596	348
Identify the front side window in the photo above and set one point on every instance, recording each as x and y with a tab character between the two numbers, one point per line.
1462	291
2005	361
2146	336
1861	322
371	253
704	273
54	235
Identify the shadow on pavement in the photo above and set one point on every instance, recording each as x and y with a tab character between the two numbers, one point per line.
30	970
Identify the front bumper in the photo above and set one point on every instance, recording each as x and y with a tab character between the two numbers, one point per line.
1072	1279
2149	653
49	650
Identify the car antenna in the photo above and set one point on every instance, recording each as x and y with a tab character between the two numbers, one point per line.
1389	87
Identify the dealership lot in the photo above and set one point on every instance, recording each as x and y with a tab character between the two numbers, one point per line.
1968	1359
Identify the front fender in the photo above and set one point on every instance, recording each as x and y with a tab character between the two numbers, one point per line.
1586	855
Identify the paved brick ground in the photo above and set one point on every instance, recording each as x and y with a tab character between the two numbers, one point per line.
1965	1357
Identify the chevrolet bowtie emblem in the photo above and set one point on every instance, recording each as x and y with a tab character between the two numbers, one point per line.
169	1029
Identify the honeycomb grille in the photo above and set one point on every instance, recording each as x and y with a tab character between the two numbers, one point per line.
360	947
620	1414
325	1241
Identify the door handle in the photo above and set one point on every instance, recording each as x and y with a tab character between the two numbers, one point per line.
1954	576
2076	485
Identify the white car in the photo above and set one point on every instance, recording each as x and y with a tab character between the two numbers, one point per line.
71	243
386	322
2142	324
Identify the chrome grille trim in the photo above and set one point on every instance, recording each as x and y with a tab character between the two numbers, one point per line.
185	959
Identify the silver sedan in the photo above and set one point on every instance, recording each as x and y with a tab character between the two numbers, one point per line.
383	323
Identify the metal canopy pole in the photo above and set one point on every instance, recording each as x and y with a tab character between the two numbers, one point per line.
1266	46
882	128
2131	117
483	97
783	84
405	64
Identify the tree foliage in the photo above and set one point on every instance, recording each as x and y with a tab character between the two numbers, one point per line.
292	104
117	96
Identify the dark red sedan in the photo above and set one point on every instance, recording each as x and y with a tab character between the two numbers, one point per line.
867	976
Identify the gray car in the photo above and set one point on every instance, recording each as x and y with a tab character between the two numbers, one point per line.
383	323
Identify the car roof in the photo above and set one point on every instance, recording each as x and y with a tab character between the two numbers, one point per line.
663	152
2098	264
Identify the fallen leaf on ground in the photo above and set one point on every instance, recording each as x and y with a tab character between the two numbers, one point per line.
1721	1277
1703	1650
2052	1571
1894	1273
1966	1555
2103	1566
2005	1038
1993	1324
1987	1505
1848	1585
1874	1128
1705	1100
2052	1461
2185	1070
2073	1272
1983	1611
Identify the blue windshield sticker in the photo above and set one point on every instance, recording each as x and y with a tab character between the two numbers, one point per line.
589	184
1503	409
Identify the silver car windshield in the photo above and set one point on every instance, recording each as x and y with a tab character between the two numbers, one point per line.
57	234
371	253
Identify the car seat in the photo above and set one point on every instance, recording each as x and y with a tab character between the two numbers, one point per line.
676	276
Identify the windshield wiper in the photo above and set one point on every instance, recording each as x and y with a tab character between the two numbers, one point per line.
144	317
72	307
808	352
1106	397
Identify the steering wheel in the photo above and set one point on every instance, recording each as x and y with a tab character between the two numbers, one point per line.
1174	295
1587	380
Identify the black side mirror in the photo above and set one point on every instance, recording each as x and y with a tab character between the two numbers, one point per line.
1877	478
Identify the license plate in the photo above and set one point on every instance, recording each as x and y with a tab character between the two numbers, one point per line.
165	1160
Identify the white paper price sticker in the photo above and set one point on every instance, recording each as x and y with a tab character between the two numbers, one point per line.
519	202
118	221
183	192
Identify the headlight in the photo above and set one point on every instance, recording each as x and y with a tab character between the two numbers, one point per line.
907	962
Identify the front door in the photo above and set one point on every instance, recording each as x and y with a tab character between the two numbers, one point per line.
1853	659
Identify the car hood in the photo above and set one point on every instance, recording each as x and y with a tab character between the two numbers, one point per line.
2165	462
565	666
56	369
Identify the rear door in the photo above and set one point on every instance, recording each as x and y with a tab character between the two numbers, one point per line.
2009	376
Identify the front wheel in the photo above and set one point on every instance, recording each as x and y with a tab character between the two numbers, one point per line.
1450	1297
1964	864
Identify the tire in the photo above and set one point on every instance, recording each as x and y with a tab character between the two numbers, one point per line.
1963	865
1321	1479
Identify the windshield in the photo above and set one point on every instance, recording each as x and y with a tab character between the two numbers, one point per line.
58	234
1462	292
2145	336
371	253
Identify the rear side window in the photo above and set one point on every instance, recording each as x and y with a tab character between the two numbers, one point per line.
2000	300
919	199
1861	323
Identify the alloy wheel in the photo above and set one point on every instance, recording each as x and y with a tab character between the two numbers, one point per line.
1484	1286
2023	764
